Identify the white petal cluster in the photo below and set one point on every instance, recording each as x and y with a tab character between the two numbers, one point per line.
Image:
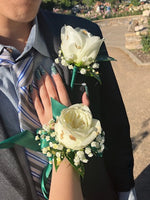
75	127
79	46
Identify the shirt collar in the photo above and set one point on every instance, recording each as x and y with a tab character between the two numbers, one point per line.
35	40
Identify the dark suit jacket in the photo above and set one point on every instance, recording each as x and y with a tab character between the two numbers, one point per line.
104	176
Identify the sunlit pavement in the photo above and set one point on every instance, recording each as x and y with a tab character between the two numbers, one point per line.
134	83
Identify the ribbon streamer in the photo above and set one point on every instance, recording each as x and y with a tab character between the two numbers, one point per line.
25	139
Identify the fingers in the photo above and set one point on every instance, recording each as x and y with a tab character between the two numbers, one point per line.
61	90
48	88
45	100
36	101
41	98
52	92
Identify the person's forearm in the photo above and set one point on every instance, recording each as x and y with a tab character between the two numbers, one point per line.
65	184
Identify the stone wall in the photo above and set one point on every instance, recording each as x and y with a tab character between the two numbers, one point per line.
132	37
136	29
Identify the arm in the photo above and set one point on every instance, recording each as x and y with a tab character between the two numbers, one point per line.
65	182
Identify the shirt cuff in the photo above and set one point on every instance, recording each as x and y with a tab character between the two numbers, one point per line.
130	195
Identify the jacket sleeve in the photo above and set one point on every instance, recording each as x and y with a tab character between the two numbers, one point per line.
107	104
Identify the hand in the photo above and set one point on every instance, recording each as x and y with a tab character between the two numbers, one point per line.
50	87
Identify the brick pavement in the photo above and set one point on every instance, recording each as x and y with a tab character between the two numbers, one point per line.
134	83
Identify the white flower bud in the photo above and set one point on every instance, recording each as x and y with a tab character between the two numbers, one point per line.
95	66
63	62
47	138
87	150
90	155
57	61
49	154
70	66
83	71
80	154
44	150
37	137
39	132
53	134
76	159
101	149
58	154
93	144
85	160
59	52
51	144
55	146
98	138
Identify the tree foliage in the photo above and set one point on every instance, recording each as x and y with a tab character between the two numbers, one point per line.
66	3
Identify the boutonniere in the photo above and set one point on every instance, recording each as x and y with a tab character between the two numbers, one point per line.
80	52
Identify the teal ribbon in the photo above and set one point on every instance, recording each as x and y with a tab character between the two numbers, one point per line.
75	68
27	139
46	173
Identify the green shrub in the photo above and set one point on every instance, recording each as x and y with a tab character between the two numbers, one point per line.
135	2
145	40
146	43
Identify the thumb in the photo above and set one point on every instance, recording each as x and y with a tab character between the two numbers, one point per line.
85	99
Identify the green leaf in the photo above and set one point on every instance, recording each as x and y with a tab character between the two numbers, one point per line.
96	76
101	58
57	108
80	169
55	163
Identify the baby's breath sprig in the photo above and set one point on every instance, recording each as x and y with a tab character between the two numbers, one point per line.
90	70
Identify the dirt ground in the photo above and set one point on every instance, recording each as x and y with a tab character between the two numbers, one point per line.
134	83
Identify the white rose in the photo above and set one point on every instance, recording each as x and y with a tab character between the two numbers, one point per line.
78	44
75	128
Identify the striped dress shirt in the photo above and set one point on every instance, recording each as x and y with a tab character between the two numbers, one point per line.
9	93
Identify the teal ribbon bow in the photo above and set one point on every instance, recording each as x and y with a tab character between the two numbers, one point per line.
27	139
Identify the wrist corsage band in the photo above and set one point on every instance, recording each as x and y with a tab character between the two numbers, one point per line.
72	133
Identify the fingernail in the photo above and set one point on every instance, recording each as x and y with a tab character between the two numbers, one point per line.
30	88
42	70
37	74
53	69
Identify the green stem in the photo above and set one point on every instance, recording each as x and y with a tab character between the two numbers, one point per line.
73	76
